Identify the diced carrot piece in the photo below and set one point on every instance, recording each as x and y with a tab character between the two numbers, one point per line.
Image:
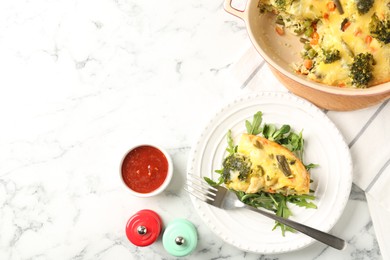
314	38
345	26
368	39
308	64
326	16
357	32
279	30
331	6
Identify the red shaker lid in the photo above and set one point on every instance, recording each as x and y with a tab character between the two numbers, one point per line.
144	227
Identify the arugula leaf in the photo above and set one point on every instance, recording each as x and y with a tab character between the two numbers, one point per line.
310	166
305	203
295	143
301	200
257	200
254	127
280	133
213	183
277	203
231	149
272	133
284	228
284	212
268	131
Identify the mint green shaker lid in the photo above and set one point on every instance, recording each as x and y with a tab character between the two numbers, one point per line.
180	237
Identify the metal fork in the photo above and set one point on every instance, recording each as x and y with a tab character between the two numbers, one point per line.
221	197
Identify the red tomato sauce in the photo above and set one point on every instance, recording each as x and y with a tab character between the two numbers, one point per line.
144	169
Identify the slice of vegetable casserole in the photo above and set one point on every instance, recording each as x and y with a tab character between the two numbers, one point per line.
264	165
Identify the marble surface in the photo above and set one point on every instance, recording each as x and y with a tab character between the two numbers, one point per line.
83	81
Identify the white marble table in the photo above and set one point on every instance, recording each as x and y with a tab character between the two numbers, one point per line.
82	81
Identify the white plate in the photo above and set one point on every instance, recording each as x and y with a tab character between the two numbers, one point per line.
324	145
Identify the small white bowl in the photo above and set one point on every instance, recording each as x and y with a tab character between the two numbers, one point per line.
164	184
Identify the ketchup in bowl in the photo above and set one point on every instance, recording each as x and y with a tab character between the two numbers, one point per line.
146	170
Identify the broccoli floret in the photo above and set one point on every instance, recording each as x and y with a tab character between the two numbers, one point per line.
363	6
236	163
331	55
361	69
380	29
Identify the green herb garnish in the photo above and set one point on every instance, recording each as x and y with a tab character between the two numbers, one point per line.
254	127
231	149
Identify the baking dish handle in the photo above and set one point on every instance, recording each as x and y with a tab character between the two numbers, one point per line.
230	9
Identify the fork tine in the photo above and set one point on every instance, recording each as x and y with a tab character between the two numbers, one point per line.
200	196
200	181
201	186
205	193
200	189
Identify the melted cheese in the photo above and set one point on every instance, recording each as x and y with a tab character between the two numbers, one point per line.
266	172
353	40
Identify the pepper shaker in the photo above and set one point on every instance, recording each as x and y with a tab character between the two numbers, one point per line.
180	237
